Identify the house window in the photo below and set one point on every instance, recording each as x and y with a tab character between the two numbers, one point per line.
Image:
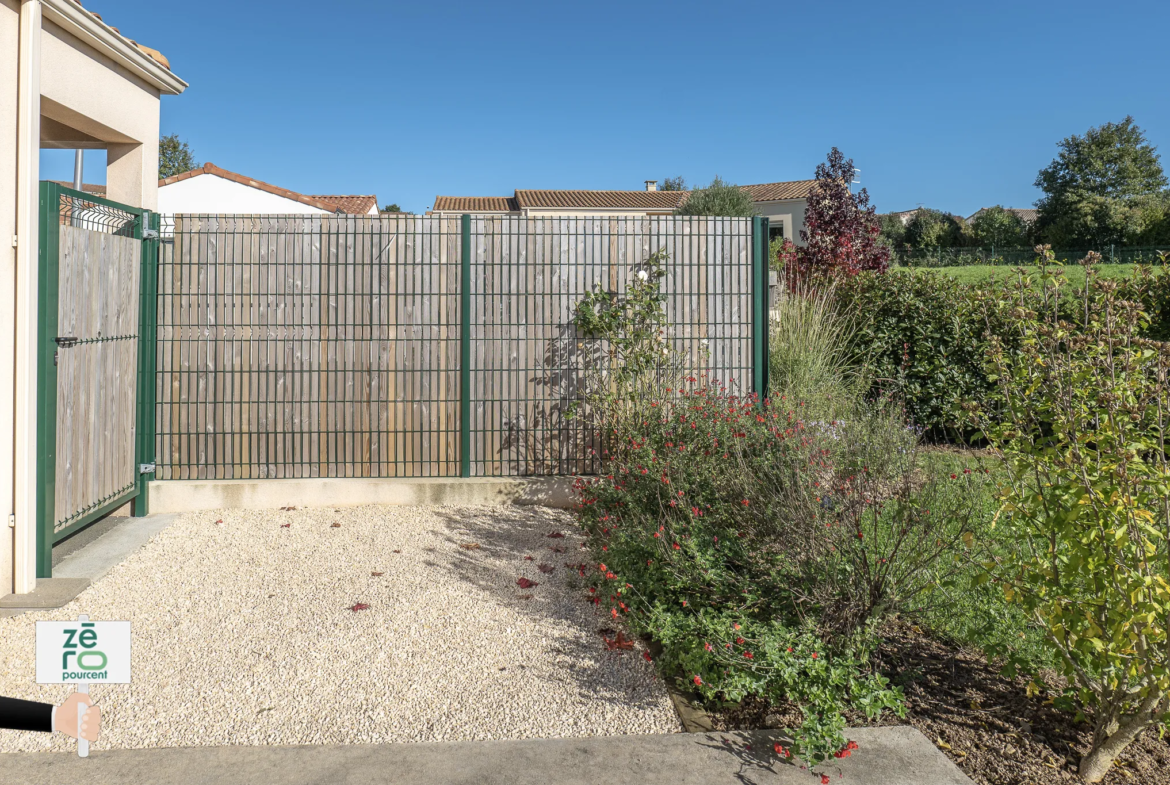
776	232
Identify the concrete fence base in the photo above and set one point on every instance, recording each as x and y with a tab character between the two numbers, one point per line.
191	495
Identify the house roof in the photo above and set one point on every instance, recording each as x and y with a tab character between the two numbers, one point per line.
357	205
476	204
153	54
89	188
771	192
608	200
333	204
1026	214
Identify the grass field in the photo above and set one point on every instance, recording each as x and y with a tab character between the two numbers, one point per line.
980	273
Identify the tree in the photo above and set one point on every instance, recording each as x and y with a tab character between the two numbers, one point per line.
674	184
893	231
1103	187
841	229
933	229
174	157
998	227
392	208
718	198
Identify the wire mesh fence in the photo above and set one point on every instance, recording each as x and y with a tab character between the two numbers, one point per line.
963	257
338	346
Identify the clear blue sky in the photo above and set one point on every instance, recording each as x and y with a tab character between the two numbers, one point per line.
953	105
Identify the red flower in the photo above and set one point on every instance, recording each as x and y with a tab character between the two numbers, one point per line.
747	654
745	502
615	613
824	779
739	641
698	681
646	656
677	546
814	655
735	625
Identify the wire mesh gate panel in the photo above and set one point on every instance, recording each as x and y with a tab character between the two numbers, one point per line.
527	275
333	346
90	323
308	346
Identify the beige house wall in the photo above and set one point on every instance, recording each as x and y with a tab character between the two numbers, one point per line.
789	213
81	85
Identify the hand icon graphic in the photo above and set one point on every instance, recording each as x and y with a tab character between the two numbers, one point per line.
65	717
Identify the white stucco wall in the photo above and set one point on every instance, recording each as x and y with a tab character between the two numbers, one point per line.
9	41
789	213
208	193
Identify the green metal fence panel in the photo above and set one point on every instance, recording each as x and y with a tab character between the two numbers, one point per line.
87	361
354	346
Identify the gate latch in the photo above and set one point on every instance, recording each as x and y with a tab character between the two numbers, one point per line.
66	341
145	468
150	234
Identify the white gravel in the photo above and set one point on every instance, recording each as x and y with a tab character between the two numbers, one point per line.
243	634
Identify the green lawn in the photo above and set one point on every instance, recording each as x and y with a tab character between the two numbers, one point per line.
981	273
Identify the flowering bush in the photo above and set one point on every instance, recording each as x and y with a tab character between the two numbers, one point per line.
759	548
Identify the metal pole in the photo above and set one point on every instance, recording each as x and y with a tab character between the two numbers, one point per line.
760	307
78	167
465	351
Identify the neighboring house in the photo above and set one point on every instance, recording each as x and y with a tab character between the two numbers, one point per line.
1026	214
782	203
68	80
210	189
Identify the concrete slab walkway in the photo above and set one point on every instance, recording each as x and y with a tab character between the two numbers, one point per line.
886	756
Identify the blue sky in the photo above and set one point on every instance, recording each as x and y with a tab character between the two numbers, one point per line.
952	105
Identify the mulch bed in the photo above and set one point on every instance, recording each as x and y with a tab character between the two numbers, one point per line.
982	721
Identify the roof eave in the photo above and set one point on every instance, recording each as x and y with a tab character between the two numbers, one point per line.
81	23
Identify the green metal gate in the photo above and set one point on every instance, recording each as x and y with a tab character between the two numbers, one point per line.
95	358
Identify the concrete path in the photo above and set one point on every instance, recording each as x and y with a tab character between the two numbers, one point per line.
886	756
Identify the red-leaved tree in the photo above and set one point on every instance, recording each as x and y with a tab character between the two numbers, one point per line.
841	229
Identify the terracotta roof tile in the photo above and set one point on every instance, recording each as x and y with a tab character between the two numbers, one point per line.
320	202
475	204
357	205
770	192
636	200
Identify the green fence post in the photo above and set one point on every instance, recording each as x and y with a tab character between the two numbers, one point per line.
465	351
760	307
48	292
147	355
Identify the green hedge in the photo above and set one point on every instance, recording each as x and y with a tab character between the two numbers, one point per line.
924	336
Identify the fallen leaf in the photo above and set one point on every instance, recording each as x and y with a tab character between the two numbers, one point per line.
646	656
377	574
545	568
524	583
529	558
285	525
470	546
335	526
266	708
942	744
555	534
397	551
617	643
288	509
557	548
361	606
220	520
525	596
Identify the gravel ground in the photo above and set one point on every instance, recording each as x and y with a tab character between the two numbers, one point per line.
243	633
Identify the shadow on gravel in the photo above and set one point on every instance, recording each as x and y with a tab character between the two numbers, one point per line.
502	537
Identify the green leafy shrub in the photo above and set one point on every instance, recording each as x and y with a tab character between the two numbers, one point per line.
760	548
1083	431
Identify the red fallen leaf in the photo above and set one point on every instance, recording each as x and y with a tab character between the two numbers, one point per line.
397	551
619	642
555	534
335	526
361	606
220	520
545	568
285	525
377	574
529	558
646	656
524	583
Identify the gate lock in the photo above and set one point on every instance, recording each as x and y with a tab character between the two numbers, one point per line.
64	342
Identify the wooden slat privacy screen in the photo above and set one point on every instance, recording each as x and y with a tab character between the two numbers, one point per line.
330	346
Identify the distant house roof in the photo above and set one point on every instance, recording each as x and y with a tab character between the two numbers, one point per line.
358	205
607	200
476	204
771	192
1026	214
332	204
89	188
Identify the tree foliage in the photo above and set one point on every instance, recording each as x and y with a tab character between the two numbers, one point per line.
392	208
174	156
934	229
1104	187
841	229
1000	228
674	184
718	198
